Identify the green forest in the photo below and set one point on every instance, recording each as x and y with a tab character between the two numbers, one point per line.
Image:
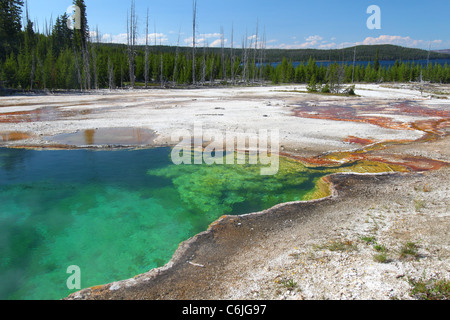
62	58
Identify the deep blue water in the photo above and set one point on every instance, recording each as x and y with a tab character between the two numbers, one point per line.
383	63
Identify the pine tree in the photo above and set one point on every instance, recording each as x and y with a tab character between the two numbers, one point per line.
10	26
81	36
9	71
376	64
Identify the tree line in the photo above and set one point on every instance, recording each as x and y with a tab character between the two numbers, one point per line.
62	58
365	53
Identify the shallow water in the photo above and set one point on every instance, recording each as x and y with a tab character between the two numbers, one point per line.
116	214
106	136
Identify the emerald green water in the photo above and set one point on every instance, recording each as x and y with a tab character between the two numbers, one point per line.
116	214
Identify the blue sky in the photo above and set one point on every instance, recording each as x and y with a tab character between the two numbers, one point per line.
287	23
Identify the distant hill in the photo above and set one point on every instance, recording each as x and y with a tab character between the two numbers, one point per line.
363	53
443	51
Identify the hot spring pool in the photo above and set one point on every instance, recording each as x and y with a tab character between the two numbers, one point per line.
116	214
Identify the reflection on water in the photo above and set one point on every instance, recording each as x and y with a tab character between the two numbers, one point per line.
106	136
89	137
13	136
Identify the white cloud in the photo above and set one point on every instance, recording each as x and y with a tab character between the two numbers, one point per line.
317	42
210	35
311	42
328	46
218	43
314	39
398	40
160	38
206	40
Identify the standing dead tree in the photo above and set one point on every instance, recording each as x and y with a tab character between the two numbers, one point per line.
131	41
194	27
244	58
175	68
232	55
94	57
110	74
354	62
255	52
161	63
262	56
203	74
146	53
222	51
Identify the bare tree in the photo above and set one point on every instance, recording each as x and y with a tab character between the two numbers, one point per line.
203	75
222	50
254	51
131	40
86	69
354	61
245	57
232	53
262	56
146	52
110	73
175	68
161	75
194	26
94	57
428	62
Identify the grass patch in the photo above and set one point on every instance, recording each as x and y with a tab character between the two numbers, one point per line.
380	247
433	289
419	205
289	283
381	257
408	250
368	240
338	245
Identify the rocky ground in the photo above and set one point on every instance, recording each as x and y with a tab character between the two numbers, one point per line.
376	237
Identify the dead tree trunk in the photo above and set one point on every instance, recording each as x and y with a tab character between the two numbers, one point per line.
255	51
244	58
194	26
175	68
222	49
94	58
232	54
146	53
203	75
354	61
131	41
110	74
261	57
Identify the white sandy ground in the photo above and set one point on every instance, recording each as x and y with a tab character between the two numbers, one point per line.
393	219
227	109
413	208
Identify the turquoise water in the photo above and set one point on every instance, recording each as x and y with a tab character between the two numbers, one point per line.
115	214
